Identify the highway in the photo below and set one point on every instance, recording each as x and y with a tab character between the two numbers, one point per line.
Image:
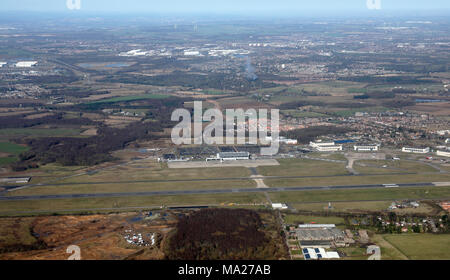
217	191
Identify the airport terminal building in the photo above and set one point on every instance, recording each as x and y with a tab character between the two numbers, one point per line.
225	156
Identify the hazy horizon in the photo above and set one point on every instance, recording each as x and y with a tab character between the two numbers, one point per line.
248	7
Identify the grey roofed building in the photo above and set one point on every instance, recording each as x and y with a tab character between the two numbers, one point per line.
321	237
233	155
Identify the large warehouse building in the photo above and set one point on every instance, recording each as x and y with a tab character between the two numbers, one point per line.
320	236
26	64
326	146
224	156
416	150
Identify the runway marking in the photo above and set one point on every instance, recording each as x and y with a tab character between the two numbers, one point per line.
441	184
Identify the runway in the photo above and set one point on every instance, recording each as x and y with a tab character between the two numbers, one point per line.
218	191
253	172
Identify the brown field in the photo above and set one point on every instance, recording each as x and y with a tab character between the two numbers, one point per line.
437	109
98	236
120	121
240	102
89	132
6	112
37	116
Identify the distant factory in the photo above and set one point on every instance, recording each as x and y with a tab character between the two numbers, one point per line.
191	53
367	148
416	150
282	140
135	53
26	64
226	156
326	146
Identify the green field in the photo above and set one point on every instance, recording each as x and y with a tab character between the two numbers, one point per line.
361	195
303	167
134	187
357	180
302	114
354	253
115	204
358	206
7	160
389	166
142	176
130	98
388	252
11	148
39	132
421	246
145	170
297	219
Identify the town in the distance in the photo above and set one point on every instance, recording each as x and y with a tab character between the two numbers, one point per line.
88	168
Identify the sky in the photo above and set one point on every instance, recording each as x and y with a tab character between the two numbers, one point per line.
222	6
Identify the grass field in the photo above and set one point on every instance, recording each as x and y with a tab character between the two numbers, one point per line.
334	88
130	98
303	167
151	170
7	160
388	252
333	156
354	253
88	204
377	166
359	206
11	148
356	180
343	206
297	219
39	132
302	114
421	246
361	195
134	187
12	151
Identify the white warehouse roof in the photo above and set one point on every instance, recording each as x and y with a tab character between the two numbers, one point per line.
317	226
26	63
